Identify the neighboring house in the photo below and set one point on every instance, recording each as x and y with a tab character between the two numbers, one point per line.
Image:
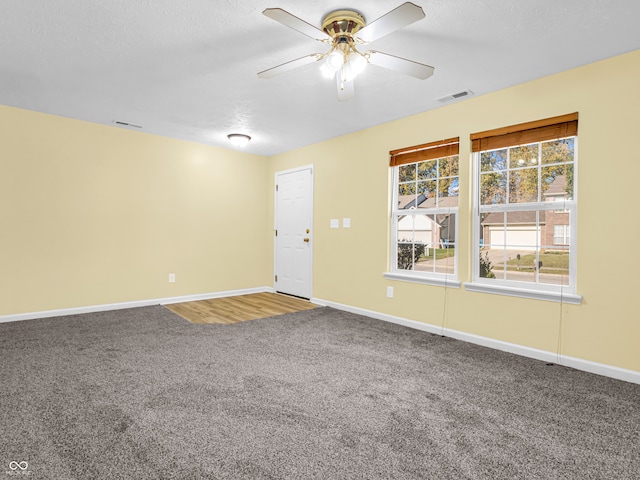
557	231
439	230
520	230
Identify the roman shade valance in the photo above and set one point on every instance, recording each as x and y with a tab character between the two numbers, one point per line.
426	151
525	133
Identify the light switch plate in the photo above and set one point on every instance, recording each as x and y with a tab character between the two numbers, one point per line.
346	223
335	223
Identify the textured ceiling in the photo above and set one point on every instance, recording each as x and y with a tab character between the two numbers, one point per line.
187	69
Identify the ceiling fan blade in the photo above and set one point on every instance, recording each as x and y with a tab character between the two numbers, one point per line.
402	65
291	21
397	18
345	89
287	67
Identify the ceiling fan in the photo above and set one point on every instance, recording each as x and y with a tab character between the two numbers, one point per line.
344	31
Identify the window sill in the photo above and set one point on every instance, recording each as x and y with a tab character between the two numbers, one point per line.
404	277
561	297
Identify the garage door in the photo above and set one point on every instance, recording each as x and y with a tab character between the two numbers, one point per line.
524	238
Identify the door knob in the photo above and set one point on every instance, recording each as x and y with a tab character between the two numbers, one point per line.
306	240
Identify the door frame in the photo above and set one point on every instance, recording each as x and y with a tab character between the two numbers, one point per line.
311	221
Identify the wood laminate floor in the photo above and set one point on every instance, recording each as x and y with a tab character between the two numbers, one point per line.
240	308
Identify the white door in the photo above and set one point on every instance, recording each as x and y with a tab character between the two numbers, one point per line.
293	222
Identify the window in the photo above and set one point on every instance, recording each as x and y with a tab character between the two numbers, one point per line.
425	212
525	208
561	234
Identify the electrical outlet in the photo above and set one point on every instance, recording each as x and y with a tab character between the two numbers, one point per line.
389	292
172	278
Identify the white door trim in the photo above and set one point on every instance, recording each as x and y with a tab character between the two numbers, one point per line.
311	221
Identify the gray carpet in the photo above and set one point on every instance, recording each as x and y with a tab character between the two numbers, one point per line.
322	394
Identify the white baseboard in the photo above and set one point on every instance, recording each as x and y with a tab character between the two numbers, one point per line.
579	364
134	304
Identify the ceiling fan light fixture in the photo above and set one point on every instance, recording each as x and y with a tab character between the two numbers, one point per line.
239	139
357	62
355	65
334	61
344	31
326	71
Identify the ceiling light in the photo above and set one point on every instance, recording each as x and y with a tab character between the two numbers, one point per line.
326	71
238	139
346	60
334	60
357	62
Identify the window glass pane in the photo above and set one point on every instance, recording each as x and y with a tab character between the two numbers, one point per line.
486	264
445	259
554	252
406	196
561	235
446	229
407	189
426	230
558	151
519	264
493	161
554	183
508	238
448	167
523	249
518	229
427	194
523	185
405	227
539	266
406	255
407	173
448	187
523	229
427	169
490	222
426	261
569	182
555	266
523	156
556	229
493	188
455	165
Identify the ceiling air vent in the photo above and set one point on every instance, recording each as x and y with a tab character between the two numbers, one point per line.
126	124
454	96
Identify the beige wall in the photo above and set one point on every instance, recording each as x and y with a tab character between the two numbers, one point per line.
94	215
349	263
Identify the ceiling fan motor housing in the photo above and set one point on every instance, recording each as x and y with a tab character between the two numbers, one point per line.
343	23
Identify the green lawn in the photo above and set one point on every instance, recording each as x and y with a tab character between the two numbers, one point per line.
440	254
551	263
